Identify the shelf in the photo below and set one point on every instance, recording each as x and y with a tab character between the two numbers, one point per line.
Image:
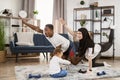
97	33
95	23
88	8
10	17
106	7
107	14
105	28
97	20
87	20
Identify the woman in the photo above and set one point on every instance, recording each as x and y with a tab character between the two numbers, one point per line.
87	48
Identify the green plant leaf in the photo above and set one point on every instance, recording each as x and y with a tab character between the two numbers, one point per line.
2	36
82	22
35	12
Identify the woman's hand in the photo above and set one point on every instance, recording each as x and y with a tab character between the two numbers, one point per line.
62	21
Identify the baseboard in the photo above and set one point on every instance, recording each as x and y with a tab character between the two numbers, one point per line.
110	57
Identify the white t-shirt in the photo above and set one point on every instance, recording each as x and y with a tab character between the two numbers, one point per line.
57	40
89	51
54	66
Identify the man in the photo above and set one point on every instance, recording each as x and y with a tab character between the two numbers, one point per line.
57	41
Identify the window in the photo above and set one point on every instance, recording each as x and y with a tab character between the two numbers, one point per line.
45	9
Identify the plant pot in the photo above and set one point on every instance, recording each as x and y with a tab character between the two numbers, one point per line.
2	56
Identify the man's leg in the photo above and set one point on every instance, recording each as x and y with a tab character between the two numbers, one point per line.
73	58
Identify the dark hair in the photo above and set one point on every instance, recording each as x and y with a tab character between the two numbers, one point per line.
57	50
50	26
85	43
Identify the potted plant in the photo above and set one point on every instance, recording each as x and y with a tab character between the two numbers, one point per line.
83	20
2	43
35	12
82	2
82	23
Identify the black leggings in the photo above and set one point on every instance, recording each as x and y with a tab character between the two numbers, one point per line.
104	47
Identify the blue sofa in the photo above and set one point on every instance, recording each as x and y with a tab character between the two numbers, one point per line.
41	44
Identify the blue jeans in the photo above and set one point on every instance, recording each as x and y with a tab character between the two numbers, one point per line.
62	73
71	48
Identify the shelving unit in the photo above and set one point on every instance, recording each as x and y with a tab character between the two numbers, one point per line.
14	24
90	12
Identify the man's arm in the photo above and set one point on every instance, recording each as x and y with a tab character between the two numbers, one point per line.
36	28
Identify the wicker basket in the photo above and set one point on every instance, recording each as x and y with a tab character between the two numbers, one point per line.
2	56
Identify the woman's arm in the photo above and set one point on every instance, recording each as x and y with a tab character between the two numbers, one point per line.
36	28
89	57
67	27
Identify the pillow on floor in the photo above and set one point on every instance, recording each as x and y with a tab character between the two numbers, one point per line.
25	38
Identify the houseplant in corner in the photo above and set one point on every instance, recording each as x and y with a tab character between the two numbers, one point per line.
2	43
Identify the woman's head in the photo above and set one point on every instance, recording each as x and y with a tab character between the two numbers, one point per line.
85	41
83	34
58	52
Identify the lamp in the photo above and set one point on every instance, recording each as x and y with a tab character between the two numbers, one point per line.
106	19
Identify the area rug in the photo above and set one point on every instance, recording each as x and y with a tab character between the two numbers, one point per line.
22	71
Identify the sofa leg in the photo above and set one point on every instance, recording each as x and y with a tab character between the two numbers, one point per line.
16	57
43	54
47	56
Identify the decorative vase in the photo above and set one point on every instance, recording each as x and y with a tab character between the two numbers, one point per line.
35	16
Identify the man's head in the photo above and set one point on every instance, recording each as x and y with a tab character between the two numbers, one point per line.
49	30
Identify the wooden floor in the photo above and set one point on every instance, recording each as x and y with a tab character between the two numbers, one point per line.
7	68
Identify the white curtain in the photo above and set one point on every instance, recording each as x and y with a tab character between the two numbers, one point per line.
29	6
58	12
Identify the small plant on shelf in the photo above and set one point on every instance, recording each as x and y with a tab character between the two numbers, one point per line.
105	34
82	23
35	12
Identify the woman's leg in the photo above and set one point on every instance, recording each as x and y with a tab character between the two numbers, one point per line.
62	73
94	64
107	45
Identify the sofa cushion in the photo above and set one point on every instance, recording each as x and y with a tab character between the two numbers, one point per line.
24	44
25	38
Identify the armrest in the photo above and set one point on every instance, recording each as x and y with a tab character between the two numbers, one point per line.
12	46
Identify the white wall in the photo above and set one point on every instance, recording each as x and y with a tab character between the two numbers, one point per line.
14	5
75	4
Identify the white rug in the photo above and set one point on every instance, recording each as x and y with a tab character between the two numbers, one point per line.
22	71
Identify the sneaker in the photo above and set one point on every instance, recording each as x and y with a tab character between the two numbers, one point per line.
106	64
